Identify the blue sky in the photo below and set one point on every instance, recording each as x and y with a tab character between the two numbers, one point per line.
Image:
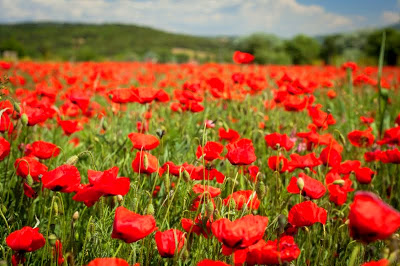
284	18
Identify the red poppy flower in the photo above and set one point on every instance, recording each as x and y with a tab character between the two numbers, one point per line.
45	150
273	252
168	241
367	120
242	58
108	262
29	165
301	162
371	156
124	95
65	178
5	123
320	118
307	213
275	139
364	175
361	138
391	136
171	168
229	135
198	226
350	65
372	219
102	184
4	148
390	156
240	233
212	191
211	151
243	198
27	239
241	152
348	166
382	262
142	141
29	191
207	262
330	156
313	188
279	164
238	78
139	164
37	115
338	190
57	252
295	104
253	171
131	227
70	126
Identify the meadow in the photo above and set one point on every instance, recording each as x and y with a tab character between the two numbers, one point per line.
114	163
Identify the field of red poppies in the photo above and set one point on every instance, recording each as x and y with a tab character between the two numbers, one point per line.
215	164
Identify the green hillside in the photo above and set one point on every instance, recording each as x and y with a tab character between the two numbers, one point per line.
108	42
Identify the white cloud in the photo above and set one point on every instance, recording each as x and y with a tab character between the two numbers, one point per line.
205	17
390	17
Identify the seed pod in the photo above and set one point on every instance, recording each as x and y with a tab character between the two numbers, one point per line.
145	162
300	183
24	119
52	239
72	160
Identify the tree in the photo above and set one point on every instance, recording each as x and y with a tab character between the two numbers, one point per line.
303	49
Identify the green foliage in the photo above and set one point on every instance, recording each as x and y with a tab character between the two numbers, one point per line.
303	49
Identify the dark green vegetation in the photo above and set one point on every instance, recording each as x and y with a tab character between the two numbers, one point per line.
83	42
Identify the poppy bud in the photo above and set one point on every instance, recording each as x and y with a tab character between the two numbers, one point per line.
76	236
24	119
145	162
55	206
3	208
282	221
52	239
300	183
232	204
150	209
339	182
134	203
75	217
104	125
260	189
72	160
17	107
167	182
209	209
29	180
186	176
120	198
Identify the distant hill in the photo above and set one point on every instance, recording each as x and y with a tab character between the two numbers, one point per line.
110	42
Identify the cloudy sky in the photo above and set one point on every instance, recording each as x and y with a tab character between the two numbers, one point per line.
285	18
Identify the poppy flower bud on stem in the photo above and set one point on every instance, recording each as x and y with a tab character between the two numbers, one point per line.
55	206
339	182
17	107
72	160
24	119
150	209
260	189
75	217
209	209
300	183
52	239
145	162
186	176
167	183
29	180
120	198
